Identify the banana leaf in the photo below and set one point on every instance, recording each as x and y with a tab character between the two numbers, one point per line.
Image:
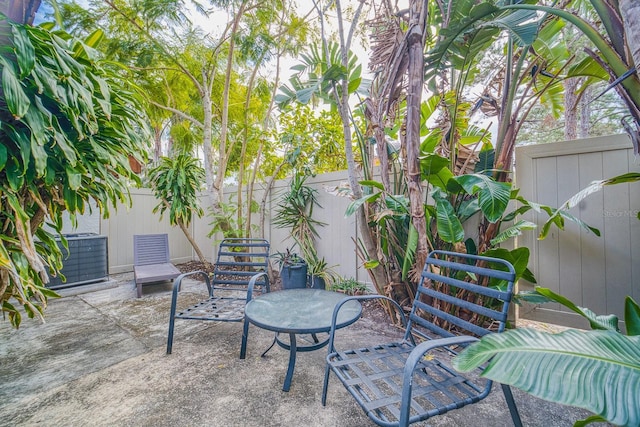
595	370
493	196
632	316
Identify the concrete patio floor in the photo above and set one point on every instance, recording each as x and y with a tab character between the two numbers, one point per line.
99	360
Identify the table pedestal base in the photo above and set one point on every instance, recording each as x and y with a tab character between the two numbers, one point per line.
293	348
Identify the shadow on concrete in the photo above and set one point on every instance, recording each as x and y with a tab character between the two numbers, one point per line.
100	360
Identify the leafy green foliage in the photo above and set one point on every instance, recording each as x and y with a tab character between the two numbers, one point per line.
175	182
447	222
632	316
68	124
226	218
493	196
513	231
311	140
473	28
605	322
518	257
349	286
295	211
558	216
462	197
596	370
320	76
398	237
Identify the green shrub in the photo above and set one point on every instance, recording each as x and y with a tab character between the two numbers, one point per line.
349	286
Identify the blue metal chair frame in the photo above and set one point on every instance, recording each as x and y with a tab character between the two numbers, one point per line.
240	270
398	384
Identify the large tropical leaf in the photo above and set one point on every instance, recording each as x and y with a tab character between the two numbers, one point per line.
519	259
605	322
550	42
355	205
632	316
486	159
590	68
595	186
493	196
431	164
474	26
412	244
513	231
595	370
523	26
449	227
25	53
17	101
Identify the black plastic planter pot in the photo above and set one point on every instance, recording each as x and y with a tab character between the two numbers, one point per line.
316	282
294	276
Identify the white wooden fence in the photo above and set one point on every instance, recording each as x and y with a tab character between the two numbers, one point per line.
595	272
336	242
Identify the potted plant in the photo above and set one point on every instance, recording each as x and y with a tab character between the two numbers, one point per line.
295	211
319	273
293	269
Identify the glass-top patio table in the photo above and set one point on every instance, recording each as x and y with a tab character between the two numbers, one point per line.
296	312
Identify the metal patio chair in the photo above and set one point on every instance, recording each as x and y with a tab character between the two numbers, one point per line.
240	270
401	383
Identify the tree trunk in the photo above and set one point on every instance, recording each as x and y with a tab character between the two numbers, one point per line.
187	234
191	240
276	172
224	125
20	11
157	143
570	109
505	156
374	114
415	71
630	12
585	113
207	147
377	273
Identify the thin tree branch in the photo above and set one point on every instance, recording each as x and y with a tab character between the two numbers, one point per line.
159	45
178	113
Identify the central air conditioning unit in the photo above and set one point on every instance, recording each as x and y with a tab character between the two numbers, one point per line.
86	262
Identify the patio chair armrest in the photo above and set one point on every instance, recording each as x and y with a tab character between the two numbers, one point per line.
423	348
412	361
338	306
252	283
177	285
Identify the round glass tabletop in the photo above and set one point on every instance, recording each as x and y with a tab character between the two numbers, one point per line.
300	311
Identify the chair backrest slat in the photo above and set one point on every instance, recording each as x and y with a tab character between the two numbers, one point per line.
462	294
238	260
468	286
150	249
451	319
476	308
472	268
